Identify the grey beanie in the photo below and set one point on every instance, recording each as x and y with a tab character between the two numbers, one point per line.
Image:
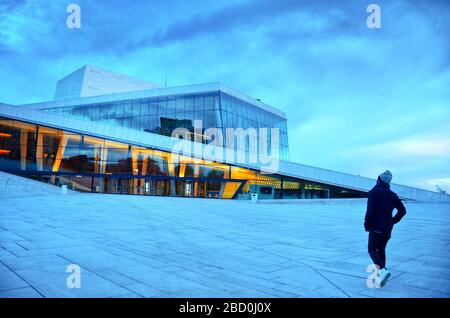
386	176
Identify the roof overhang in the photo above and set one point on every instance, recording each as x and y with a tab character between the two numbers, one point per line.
156	92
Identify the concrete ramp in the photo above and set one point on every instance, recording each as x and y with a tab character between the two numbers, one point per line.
12	186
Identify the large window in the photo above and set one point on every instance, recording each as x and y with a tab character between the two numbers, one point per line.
162	115
94	164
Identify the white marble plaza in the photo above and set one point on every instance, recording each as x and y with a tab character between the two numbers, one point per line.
132	246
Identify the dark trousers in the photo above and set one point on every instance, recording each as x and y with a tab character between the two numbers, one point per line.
377	247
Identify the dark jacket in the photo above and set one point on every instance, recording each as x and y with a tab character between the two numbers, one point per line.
380	205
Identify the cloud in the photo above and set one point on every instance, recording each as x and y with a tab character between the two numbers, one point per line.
426	147
238	16
246	13
442	183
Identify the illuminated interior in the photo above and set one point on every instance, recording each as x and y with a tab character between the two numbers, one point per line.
90	164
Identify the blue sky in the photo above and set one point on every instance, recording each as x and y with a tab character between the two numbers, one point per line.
358	100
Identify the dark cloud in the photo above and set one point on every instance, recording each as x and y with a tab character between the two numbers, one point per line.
229	18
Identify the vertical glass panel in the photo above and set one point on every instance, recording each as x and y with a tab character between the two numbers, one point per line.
144	123
240	122
153	123
171	107
217	118
117	160
180	105
224	119
157	166
226	103
145	111
189	104
104	111
119	121
244	122
208	121
216	102
50	143
119	109
9	145
199	103
190	116
209	102
234	106
127	122
269	119
135	108
92	112
153	108
112	111
255	113
235	121
247	112
127	109
78	112
200	116
229	120
240	108
70	160
136	122
257	116
162	108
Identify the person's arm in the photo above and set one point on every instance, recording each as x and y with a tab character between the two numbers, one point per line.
370	212
401	210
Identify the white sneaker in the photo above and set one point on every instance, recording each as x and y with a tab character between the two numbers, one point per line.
384	276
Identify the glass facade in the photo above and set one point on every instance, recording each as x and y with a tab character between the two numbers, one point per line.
161	115
91	164
237	113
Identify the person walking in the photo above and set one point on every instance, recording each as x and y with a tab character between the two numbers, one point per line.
379	221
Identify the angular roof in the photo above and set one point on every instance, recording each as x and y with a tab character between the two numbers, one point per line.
93	81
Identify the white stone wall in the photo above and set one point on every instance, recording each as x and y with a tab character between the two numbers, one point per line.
102	82
70	86
93	81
